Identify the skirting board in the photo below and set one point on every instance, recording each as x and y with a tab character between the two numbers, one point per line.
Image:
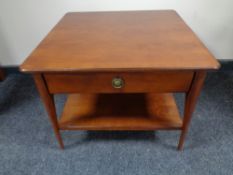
226	65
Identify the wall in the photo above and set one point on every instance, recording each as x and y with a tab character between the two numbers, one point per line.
24	23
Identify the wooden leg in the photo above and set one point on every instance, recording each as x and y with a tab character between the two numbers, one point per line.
2	74
49	105
190	102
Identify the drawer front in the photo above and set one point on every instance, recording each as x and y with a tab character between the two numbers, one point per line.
158	81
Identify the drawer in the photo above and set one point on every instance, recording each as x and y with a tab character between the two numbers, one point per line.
122	82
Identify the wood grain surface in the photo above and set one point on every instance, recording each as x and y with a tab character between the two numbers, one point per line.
156	81
120	112
136	40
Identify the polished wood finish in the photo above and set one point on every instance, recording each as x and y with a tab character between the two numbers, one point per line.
120	112
153	53
158	81
190	102
49	105
120	41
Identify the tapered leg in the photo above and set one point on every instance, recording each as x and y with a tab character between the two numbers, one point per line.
190	102
49	105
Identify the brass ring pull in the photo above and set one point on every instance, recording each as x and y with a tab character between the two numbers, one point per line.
117	82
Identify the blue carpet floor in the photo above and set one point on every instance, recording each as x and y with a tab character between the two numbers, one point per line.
28	145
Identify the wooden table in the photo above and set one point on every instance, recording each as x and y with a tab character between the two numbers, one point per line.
120	70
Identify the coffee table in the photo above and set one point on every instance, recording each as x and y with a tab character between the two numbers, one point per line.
120	70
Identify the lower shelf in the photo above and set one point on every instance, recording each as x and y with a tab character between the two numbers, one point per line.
120	112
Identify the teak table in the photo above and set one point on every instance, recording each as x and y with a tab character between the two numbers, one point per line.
120	70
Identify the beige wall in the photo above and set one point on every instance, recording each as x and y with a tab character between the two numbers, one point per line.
24	23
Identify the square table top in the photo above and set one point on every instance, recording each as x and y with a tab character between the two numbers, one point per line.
127	40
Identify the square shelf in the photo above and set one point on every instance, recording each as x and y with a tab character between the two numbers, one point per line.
120	112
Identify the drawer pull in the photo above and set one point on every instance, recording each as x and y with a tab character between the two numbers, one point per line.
117	82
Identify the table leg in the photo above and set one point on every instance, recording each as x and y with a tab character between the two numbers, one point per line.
2	74
190	102
48	100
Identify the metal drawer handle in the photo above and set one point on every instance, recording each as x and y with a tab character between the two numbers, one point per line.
117	82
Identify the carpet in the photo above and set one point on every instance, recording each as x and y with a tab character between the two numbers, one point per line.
28	145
